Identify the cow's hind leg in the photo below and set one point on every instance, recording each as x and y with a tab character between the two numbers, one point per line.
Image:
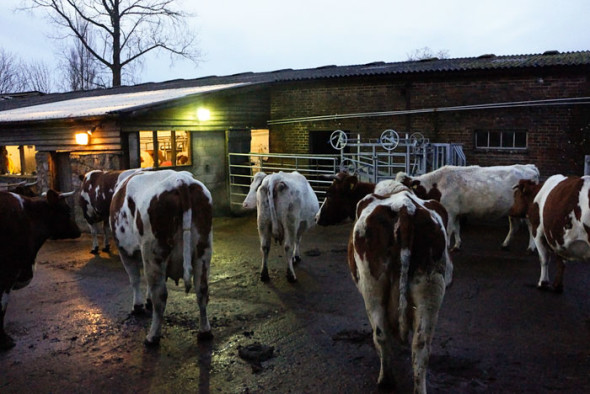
105	233
513	225
383	340
132	267
290	255
427	293
156	279
6	342
201	283
94	233
264	233
454	229
544	261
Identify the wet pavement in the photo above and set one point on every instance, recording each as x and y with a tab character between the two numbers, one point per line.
496	332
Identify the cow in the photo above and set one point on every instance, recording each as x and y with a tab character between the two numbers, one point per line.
163	220
96	192
23	188
346	191
399	261
25	224
559	212
286	206
480	192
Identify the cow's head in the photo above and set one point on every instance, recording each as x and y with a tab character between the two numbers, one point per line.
524	194
250	200
340	201
61	223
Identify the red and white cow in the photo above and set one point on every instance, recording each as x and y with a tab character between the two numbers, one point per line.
25	224
559	212
96	192
286	206
480	192
399	260
346	191
164	219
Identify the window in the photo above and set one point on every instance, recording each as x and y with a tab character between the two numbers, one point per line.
18	159
164	148
500	139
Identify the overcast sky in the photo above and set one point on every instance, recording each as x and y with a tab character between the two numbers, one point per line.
265	35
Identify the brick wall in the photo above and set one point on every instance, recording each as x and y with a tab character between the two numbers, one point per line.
558	136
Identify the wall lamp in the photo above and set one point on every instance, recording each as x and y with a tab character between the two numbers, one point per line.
83	137
203	114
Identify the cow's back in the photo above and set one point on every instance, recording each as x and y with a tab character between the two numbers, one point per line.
563	205
485	192
148	207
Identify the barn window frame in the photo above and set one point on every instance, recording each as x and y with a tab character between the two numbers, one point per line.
170	142
21	158
500	139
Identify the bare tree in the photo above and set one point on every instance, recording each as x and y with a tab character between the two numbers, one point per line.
123	31
427	53
35	76
81	69
9	72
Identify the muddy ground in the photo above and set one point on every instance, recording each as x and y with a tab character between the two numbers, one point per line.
496	332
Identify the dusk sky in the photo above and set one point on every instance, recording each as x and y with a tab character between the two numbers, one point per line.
266	35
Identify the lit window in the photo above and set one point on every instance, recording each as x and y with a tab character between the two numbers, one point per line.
164	148
18	159
500	139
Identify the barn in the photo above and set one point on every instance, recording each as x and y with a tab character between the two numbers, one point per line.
500	109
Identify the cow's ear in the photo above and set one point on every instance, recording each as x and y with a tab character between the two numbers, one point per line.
52	196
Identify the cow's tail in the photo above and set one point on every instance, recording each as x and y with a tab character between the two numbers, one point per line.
187	246
405	256
272	208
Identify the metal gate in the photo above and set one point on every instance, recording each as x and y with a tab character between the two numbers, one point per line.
371	161
376	160
243	166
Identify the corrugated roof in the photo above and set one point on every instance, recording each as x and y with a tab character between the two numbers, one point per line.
104	101
103	105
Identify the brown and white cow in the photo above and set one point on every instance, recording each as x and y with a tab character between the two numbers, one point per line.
559	212
96	192
25	224
399	261
163	219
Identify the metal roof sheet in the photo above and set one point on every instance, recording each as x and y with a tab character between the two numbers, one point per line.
105	104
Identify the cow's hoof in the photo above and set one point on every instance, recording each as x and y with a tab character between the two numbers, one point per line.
106	249
544	286
205	336
296	260
6	343
154	343
138	310
94	251
148	305
504	247
291	278
558	289
264	277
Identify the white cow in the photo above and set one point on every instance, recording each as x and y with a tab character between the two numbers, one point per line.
480	192
286	206
164	219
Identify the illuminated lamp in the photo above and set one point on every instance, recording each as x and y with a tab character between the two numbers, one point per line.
83	138
203	114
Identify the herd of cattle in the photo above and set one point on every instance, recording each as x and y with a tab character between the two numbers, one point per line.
398	252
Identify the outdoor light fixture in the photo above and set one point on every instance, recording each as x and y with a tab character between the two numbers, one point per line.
83	138
203	114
